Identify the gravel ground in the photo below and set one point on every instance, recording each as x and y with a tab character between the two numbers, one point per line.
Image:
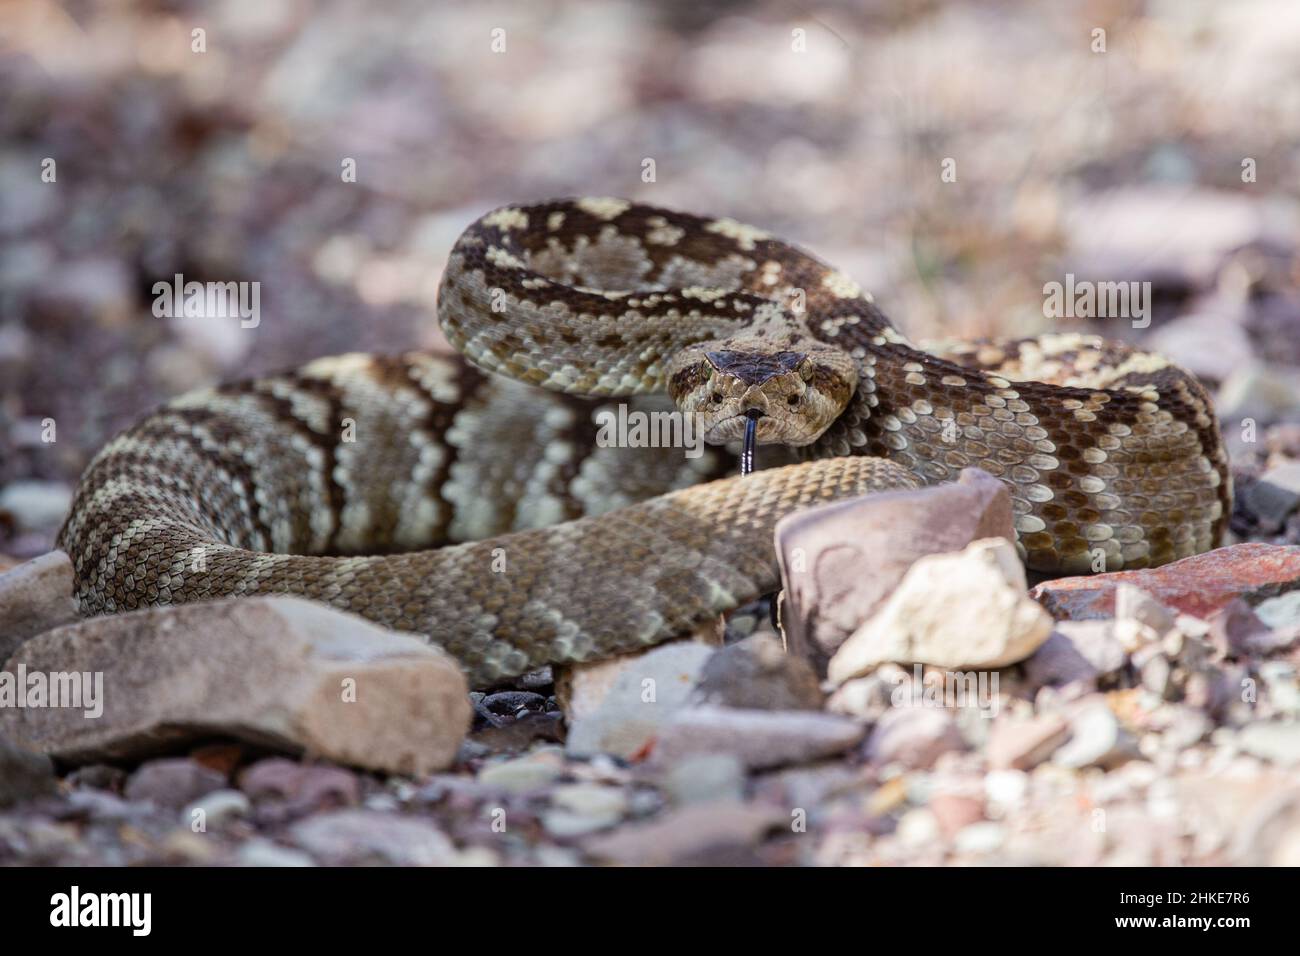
1168	157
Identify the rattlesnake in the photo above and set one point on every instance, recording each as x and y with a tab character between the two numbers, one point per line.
541	545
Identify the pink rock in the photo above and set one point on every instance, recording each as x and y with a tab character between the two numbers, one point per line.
1199	585
304	787
1024	744
954	811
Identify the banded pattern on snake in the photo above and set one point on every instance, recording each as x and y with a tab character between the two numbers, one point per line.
424	493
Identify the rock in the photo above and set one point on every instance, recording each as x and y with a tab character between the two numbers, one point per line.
1210	344
276	671
260	852
980	838
1185	727
522	774
953	812
914	736
868	697
1235	629
1134	604
758	738
172	782
216	808
36	505
1076	651
1270	834
582	808
302	788
918	827
366	836
998	624
706	777
1282	612
1258	391
35	597
24	775
839	562
758	674
1277	742
643	696
1282	682
1276	494
580	688
1096	740
1006	790
689	831
1199	585
1157	672
1024	744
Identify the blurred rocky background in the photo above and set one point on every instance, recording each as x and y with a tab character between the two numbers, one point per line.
954	158
1105	139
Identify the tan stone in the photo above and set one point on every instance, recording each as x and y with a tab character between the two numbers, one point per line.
965	610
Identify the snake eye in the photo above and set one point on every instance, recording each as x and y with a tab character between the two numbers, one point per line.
807	369
708	371
717	398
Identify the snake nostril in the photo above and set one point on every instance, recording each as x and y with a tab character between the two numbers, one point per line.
792	400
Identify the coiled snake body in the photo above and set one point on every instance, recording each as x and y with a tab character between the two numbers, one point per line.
424	494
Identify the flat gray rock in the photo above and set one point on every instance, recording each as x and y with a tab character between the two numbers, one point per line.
35	597
758	738
277	671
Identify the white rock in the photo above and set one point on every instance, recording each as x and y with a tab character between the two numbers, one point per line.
1006	789
1096	739
363	835
521	774
36	505
217	807
968	609
980	838
643	697
260	852
582	808
705	777
1277	742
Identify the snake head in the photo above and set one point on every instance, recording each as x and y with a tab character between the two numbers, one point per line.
794	392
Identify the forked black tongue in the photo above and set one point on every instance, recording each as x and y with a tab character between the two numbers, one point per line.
747	452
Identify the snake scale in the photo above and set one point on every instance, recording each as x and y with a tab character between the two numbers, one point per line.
457	500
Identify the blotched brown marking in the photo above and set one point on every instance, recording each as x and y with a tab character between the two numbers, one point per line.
332	396
224	431
437	422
